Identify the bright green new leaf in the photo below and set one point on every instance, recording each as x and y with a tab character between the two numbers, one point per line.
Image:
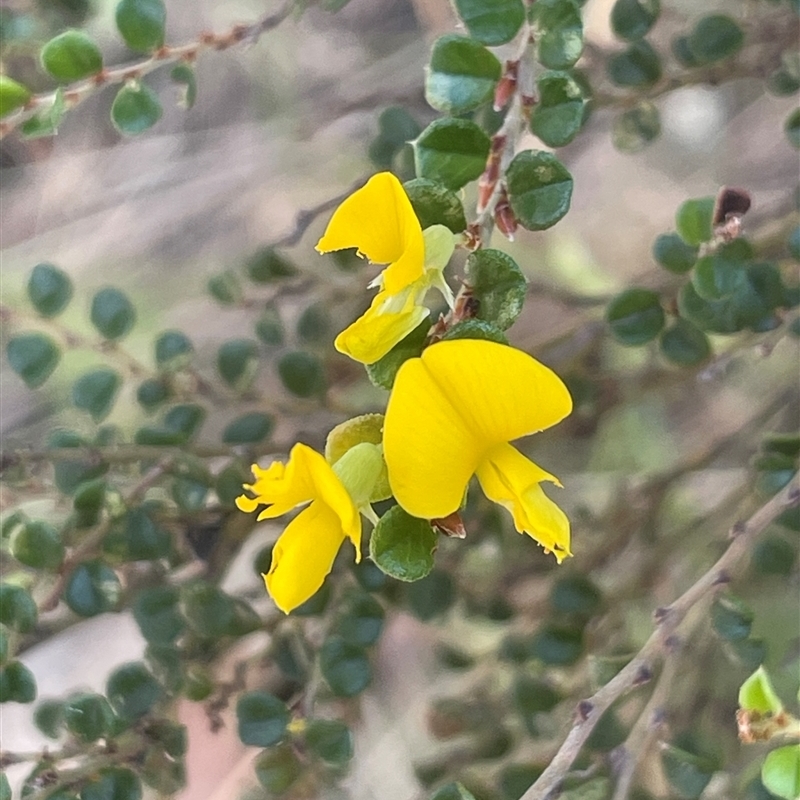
70	56
693	220
13	95
758	694
781	772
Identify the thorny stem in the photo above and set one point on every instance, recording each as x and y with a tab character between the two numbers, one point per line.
640	669
77	92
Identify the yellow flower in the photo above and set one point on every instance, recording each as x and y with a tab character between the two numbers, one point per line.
304	553
453	412
380	222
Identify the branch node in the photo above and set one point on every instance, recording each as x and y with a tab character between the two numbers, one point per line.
643	675
584	710
722	578
738	529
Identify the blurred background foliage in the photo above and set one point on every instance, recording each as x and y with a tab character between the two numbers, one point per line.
166	322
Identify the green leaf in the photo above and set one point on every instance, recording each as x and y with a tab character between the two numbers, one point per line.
576	595
135	537
49	289
402	545
225	288
268	265
269	328
156	613
229	483
532	697
112	313
635	316
557	645
751	652
344	666
693	220
49	718
632	19
184	420
793	243
151	393
5	787
33	356
4	646
329	740
452	152
715	37
431	596
248	428
758	694
498	284
70	56
558	32
17	683
514	779
141	24
382	372
475	329
452	791
277	769
302	373
184	75
773	555
46	122
719	274
781	772
688	773
491	22
731	617
461	76
209	611
361	620
684	344
173	349
792	128
637	66
37	544
237	361
396	128
558	116
683	53
636	128
782	83
69	475
96	391
92	588
434	204
13	95
261	719
88	716
672	253
113	783
314	324
539	189
135	109
17	609
132	690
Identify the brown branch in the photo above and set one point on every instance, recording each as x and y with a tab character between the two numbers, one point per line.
640	669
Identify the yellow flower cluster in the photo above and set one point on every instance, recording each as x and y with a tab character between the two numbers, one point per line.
451	414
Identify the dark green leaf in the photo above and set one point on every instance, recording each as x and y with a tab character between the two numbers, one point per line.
637	66
674	254
576	595
515	779
782	83
198	684
49	718
498	284
792	128
261	719
269	328
556	645
714	317
17	609
558	32
70	56
632	19
135	537
302	373
112	313
33	356
751	652
229	483
17	683
688	773
237	361
314	324
277	769
151	393
716	276
558	115
344	666
141	23
683	53
329	740
684	344
49	289
37	544
539	189
636	128
183	74
402	545
715	37
92	588
461	76
397	127
773	555
69	475
383	372
475	329
135	109
731	617
635	316
13	95
607	734
184	419
156	613
452	152
96	391
113	783
432	595
268	265
4	646
360	621
132	690
173	349
249	428
88	716
209	611
491	22
434	204
225	288
532	697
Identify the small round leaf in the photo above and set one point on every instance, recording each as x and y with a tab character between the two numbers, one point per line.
132	690
49	289
302	373
268	265
539	189
141	23
758	694
435	205
688	773
684	344
113	783
277	769
636	128
498	284
17	609
781	772
672	253
88	716
135	109
558	32
249	428
156	613
344	666
151	393
96	391
491	22
451	151
135	537
731	617
13	95
361	620
637	66
261	719
37	544
558	116
33	356
330	741
237	361
693	220
173	349
715	37
382	372
632	19
17	683
557	645
402	545
70	56
112	313
432	595
92	588
635	316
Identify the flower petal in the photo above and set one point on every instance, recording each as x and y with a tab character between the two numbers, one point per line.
430	453
379	220
507	477
303	556
376	332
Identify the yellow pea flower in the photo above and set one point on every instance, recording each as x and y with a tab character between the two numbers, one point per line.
380	222
453	412
304	553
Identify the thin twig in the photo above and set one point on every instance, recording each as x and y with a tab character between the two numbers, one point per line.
640	669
